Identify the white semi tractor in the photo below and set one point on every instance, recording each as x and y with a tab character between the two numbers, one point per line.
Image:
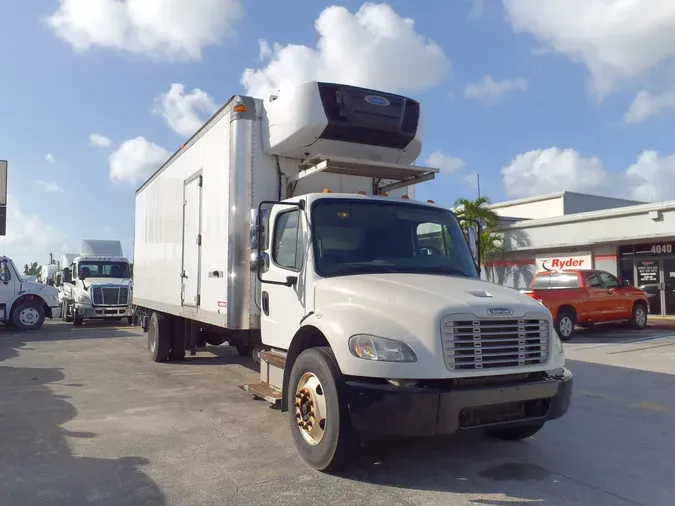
97	284
288	225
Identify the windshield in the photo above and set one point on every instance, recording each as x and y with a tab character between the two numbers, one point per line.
353	237
104	269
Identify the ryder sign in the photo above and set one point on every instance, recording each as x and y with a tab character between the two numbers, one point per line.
562	261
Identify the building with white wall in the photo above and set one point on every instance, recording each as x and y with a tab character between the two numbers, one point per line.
633	240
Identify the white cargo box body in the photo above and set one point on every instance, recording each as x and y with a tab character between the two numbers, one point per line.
192	240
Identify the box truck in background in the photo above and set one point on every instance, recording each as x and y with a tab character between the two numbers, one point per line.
286	225
97	284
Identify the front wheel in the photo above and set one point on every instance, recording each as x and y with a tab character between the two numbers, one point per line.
639	317
320	424
28	316
515	433
564	324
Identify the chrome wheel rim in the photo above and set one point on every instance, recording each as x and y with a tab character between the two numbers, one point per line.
310	408
29	316
566	326
640	317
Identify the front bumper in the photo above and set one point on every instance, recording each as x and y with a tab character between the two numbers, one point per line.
395	411
86	311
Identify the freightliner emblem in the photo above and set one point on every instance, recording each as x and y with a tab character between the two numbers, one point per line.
499	311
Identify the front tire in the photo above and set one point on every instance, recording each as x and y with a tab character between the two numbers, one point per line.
639	317
564	324
28	316
320	424
515	433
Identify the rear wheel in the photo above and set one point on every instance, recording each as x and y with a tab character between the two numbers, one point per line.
320	424
515	433
177	340
28	315
159	338
639	317
564	324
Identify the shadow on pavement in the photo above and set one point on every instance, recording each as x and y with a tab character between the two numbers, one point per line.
36	465
614	446
219	356
609	333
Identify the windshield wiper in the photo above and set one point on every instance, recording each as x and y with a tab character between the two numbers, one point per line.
443	270
365	269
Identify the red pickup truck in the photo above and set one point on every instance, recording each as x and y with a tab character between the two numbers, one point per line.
585	297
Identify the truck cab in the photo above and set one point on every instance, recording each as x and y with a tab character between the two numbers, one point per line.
97	285
25	304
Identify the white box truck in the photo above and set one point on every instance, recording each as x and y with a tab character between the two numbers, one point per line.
97	284
287	225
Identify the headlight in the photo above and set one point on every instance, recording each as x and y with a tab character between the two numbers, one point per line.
52	296
83	299
380	349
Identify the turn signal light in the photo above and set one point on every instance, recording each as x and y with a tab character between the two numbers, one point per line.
405	197
384	194
362	192
431	202
239	108
327	190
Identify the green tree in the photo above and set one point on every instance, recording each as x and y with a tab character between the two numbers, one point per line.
478	210
32	269
491	243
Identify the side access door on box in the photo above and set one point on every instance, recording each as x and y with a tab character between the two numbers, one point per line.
192	240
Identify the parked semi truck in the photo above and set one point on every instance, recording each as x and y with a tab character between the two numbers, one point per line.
288	225
25	304
97	284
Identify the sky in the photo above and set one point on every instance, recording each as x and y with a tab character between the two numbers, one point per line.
535	97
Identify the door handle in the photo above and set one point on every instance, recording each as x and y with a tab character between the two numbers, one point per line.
266	303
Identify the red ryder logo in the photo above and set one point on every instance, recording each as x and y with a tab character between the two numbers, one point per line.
561	263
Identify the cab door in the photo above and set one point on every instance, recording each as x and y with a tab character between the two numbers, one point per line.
7	285
282	297
598	305
619	304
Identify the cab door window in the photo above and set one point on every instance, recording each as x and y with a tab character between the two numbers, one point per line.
287	250
609	281
5	273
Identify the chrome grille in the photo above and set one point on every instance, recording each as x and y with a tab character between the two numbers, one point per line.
494	344
110	296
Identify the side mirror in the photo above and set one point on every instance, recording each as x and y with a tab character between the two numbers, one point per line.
82	277
472	239
67	277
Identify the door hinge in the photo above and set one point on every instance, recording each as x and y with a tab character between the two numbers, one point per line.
199	240
201	181
198	299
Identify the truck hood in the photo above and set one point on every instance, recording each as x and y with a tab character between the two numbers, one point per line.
48	292
89	282
399	294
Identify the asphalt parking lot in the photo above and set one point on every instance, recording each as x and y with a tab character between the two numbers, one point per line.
86	418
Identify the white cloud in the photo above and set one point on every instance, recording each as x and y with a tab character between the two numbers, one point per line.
29	239
652	177
99	141
543	171
444	162
184	112
52	186
50	158
373	48
136	160
538	172
646	105
490	90
170	29
614	39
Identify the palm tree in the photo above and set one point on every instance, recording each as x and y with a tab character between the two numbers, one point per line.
32	269
468	211
476	210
